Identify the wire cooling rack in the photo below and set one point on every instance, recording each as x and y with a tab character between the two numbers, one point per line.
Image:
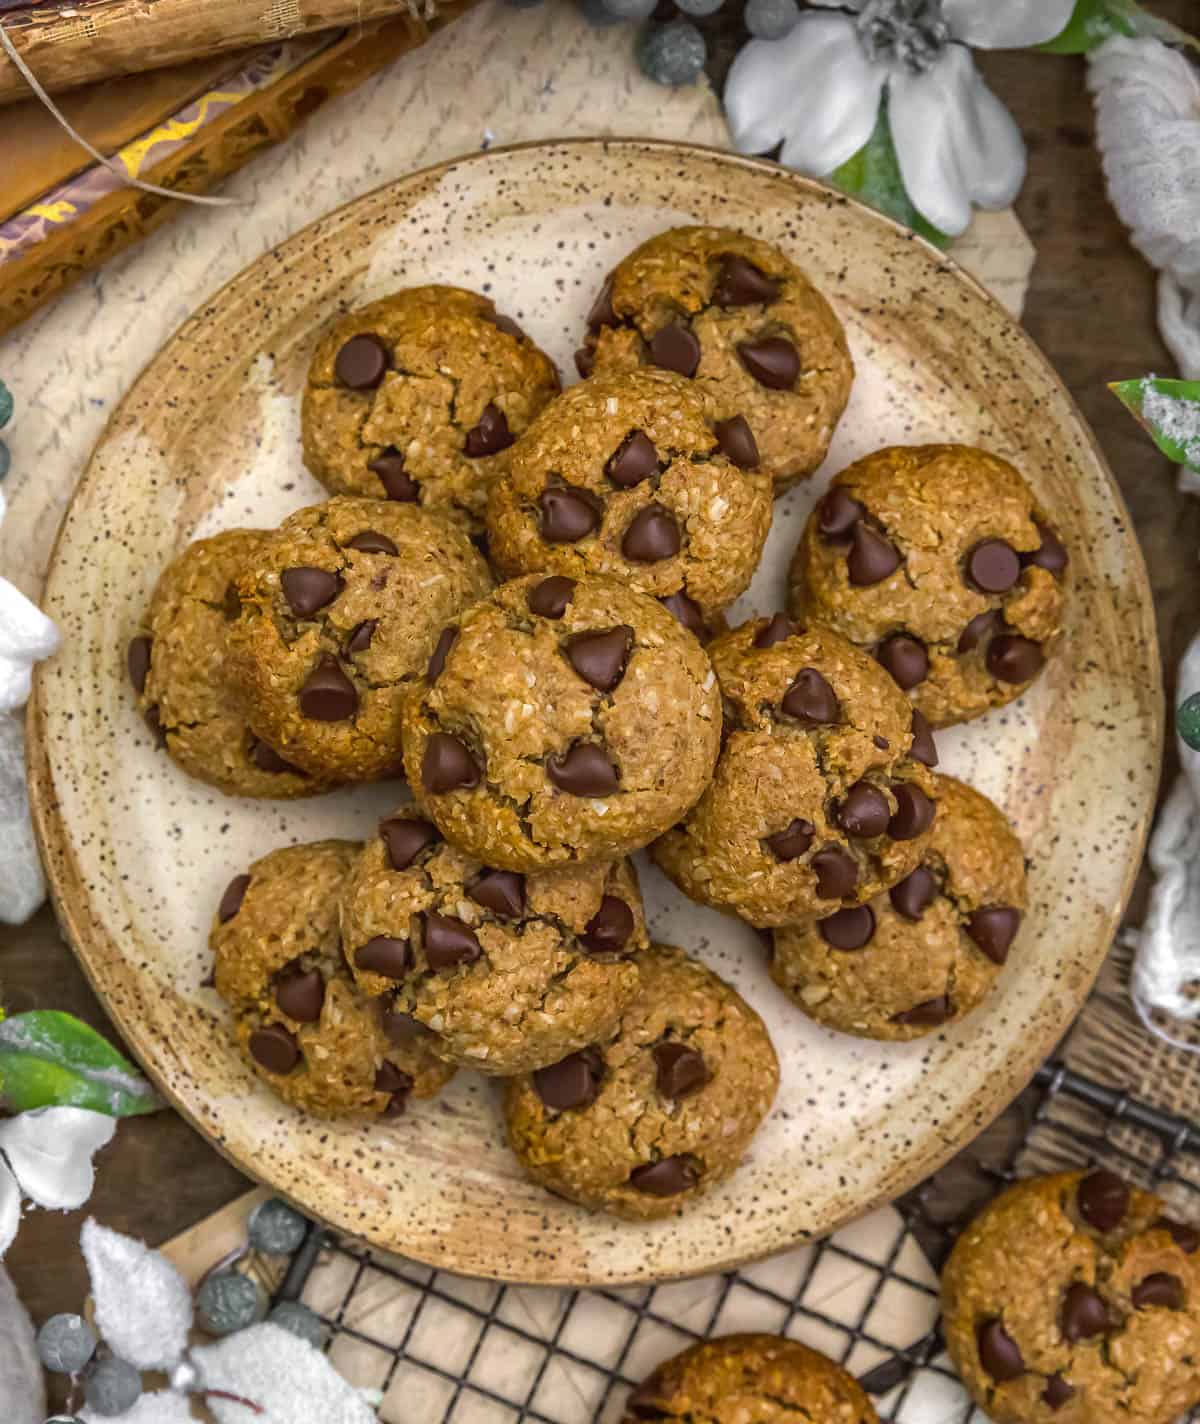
448	1350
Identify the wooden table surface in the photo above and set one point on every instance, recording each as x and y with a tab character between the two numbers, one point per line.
1090	308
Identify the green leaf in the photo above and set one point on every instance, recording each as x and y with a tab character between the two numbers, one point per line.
1170	411
50	1059
1093	22
873	174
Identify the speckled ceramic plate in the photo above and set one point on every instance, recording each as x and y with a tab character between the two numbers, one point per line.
208	438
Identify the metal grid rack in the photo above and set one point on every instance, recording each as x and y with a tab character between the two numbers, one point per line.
1149	1145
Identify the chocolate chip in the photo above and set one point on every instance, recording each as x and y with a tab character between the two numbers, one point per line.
1103	1200
923	748
836	872
871	558
300	995
362	363
653	534
549	598
268	759
568	514
993	929
773	362
405	837
360	638
810	700
448	942
437	659
328	695
681	1070
1052	553
864	811
1057	1392
490	436
993	566
792	841
1160	1291
447	765
585	361
403	1029
634	460
1084	1313
1014	659
930	1014
274	1049
397	485
153	720
998	1352
501	891
231	900
506	324
675	348
371	541
599	658
687	611
837	515
390	1079
980	628
737	443
307	590
573	1082
383	955
914	894
776	630
583	770
602	313
914	812
1187	1238
397	1106
741	284
905	658
665	1178
848	929
609	929
137	660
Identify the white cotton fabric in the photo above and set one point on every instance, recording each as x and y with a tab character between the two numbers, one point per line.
143	1305
284	1375
21	1388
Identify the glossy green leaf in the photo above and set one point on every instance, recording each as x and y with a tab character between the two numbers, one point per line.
51	1059
873	174
1169	411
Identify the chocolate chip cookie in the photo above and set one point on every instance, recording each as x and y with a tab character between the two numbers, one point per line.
560	722
938	560
1075	1299
508	972
178	667
338	614
300	1021
635	476
734	315
822	797
925	953
736	1379
652	1115
418	398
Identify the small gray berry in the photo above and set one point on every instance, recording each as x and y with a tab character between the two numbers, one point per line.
631	9
699	7
228	1301
276	1228
112	1386
771	19
290	1315
65	1344
597	13
672	54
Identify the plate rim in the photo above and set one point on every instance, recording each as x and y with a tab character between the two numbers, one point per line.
72	905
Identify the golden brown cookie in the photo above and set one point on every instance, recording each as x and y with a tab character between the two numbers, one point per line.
1074	1299
925	953
658	1111
736	1379
510	972
735	315
561	722
820	800
418	397
938	561
300	1022
178	666
338	614
634	476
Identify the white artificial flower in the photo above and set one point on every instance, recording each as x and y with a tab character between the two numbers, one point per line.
46	1155
818	91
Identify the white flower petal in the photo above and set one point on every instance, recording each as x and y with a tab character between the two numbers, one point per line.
282	1374
50	1152
1007	24
143	1305
841	4
10	1208
26	637
814	90
955	141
